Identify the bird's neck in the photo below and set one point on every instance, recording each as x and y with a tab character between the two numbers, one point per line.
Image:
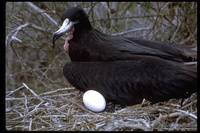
81	30
82	42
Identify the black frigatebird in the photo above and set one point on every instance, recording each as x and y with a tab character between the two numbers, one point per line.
124	69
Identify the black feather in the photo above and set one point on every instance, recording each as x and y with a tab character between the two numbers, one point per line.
124	69
129	81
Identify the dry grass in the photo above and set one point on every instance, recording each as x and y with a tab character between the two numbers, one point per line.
63	110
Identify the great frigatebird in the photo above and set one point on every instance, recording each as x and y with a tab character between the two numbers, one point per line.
124	69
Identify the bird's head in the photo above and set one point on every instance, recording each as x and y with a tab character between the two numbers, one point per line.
73	18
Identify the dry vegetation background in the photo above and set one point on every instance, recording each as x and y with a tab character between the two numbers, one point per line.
38	97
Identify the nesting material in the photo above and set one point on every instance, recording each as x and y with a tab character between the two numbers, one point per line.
63	110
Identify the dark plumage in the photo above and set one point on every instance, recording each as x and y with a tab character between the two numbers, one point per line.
124	69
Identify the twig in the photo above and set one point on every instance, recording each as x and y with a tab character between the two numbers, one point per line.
19	114
89	123
189	104
11	92
176	123
104	4
30	90
43	120
133	30
57	116
82	107
161	117
134	17
44	74
38	27
14	99
175	33
38	97
14	32
191	34
187	113
57	91
25	104
30	124
41	11
34	110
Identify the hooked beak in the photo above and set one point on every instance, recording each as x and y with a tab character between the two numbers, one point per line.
66	26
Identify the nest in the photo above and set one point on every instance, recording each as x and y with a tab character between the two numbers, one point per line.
63	110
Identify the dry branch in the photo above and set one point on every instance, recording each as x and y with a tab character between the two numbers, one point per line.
41	11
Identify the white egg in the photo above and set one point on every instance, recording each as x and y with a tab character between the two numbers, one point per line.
94	101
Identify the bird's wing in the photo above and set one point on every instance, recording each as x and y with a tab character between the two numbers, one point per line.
186	53
129	81
128	48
